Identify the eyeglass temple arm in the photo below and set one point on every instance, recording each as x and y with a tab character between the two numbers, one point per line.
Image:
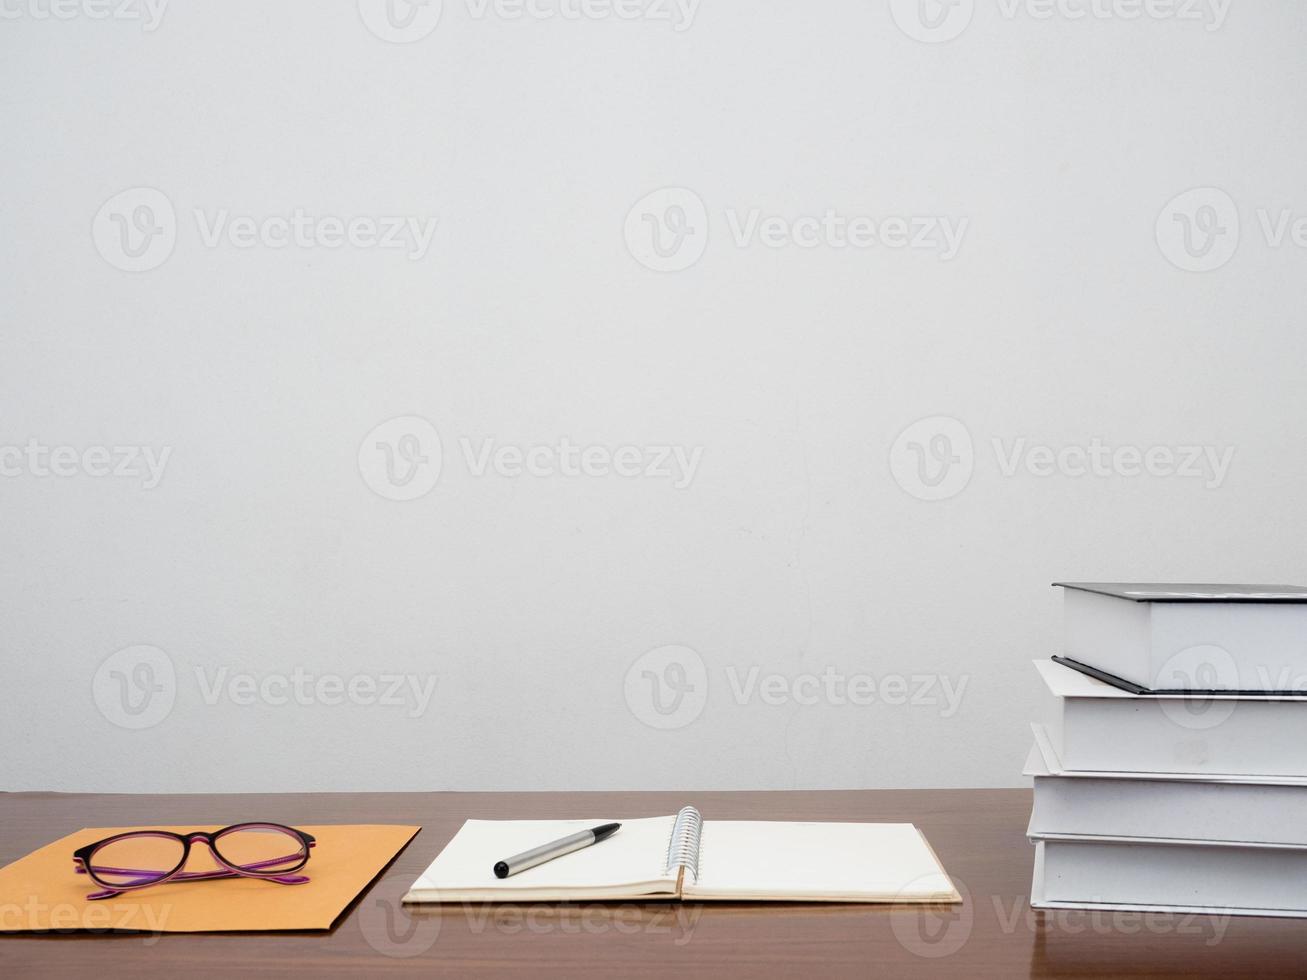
197	876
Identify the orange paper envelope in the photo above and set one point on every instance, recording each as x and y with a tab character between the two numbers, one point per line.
42	892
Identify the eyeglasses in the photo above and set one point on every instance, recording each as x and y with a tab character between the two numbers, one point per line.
140	858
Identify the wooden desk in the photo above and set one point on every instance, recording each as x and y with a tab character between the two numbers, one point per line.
978	834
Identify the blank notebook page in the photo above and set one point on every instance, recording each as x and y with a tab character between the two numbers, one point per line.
830	862
628	864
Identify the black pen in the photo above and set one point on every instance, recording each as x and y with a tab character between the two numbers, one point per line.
557	848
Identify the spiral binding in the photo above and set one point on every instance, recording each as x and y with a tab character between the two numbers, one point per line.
683	848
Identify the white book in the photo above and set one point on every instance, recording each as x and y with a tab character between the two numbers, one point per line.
1170	876
1069	803
1096	726
1186	636
683	856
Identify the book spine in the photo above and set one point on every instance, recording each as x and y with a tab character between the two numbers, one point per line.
683	847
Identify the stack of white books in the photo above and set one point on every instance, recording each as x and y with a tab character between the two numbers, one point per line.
1170	770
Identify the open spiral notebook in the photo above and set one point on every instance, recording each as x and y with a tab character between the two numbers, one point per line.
684	856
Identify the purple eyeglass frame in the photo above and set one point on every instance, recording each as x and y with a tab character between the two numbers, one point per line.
285	876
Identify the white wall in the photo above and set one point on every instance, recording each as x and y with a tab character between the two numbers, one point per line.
270	548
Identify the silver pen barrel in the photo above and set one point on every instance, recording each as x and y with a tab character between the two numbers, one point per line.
545	852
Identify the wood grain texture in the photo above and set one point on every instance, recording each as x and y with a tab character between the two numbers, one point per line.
978	834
